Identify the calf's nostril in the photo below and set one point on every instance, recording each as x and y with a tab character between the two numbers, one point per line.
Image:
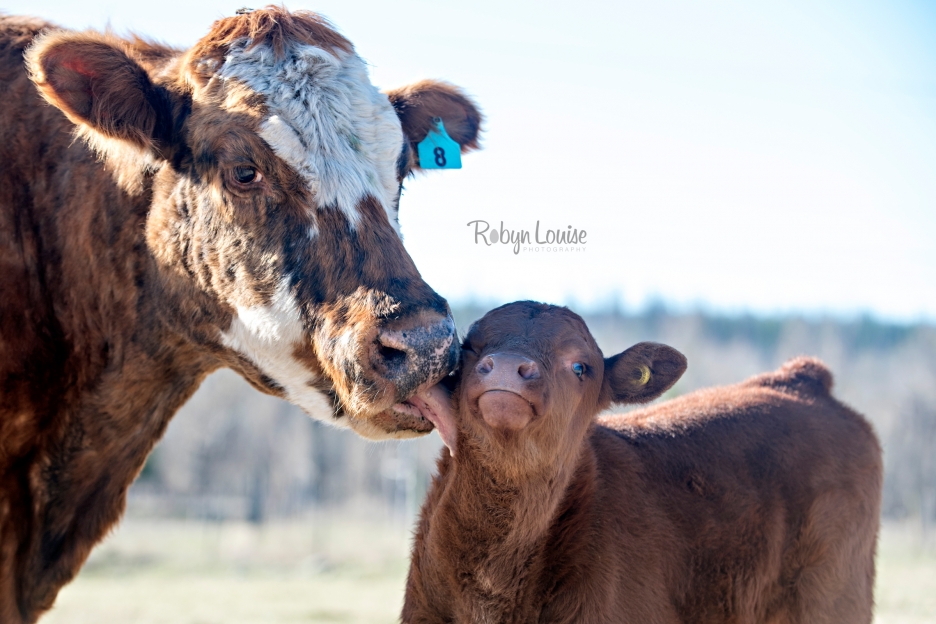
486	365
528	370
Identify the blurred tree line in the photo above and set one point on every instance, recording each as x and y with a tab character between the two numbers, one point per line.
232	453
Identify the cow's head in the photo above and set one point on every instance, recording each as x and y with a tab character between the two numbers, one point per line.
276	170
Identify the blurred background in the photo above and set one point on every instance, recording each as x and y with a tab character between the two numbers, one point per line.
756	181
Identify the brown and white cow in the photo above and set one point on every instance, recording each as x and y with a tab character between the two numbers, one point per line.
754	503
243	213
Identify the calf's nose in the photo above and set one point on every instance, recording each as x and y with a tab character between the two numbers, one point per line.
507	367
507	391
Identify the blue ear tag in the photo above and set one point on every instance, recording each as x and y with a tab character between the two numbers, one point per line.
438	150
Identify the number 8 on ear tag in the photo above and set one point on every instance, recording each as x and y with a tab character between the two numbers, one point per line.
438	150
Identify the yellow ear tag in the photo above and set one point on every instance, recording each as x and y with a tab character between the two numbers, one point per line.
644	375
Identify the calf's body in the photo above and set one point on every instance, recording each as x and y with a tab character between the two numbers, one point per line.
757	502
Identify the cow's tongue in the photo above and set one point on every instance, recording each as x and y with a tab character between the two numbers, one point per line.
436	407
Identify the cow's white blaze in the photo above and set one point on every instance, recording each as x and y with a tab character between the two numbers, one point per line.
326	120
267	335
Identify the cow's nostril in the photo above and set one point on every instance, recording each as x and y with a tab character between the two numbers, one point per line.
392	340
412	351
528	370
391	356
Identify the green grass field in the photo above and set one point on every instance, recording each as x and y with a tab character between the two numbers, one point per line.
325	569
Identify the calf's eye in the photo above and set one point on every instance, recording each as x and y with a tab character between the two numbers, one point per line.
579	369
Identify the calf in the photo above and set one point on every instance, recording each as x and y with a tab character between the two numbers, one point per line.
756	502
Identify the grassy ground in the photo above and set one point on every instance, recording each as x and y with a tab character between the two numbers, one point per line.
906	577
326	569
317	570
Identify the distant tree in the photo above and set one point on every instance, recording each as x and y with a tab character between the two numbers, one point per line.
910	455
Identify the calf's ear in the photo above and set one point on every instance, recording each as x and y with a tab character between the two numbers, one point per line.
95	80
418	106
642	373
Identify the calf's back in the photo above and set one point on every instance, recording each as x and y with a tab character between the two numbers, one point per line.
757	502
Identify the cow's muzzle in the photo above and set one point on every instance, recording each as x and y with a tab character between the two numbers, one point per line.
415	352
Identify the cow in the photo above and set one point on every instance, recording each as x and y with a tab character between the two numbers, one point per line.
752	503
230	205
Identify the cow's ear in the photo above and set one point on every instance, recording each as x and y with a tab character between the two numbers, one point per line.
418	106
96	81
642	373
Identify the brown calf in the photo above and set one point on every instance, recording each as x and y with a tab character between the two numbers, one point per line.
244	215
753	503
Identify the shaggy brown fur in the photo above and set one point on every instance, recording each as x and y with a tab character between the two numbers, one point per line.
753	503
120	278
273	27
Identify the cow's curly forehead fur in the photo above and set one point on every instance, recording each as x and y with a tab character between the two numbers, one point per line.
319	112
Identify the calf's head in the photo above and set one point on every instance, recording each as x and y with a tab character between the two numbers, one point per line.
274	171
531	381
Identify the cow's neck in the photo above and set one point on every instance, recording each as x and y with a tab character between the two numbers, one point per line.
113	373
85	462
502	526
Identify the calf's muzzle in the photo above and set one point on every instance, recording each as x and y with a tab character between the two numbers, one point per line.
508	390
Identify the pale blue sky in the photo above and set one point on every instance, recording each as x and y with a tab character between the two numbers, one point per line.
757	156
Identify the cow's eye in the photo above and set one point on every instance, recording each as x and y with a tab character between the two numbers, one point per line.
579	369
246	175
